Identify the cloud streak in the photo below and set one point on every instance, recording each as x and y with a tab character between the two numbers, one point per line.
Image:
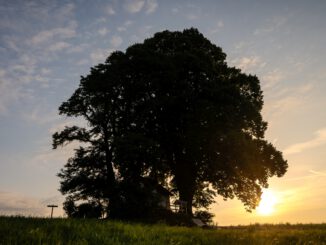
9	92
318	140
103	31
125	26
271	26
151	6
48	35
318	173
110	10
40	115
248	63
116	41
13	203
271	79
282	99
17	204
134	6
59	46
100	55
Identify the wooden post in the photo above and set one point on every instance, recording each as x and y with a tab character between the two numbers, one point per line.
52	206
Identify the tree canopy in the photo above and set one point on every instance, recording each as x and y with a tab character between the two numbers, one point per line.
172	110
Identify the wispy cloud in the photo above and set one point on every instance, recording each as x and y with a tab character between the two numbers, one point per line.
59	46
17	204
109	10
192	12
248	63
116	41
192	16
46	156
40	115
15	78
11	43
318	140
9	93
271	79
282	99
240	45
14	203
103	31
145	30
217	27
100	55
271	25
175	10
27	70
2	73
77	48
48	35
286	104
82	62
66	11
318	173
134	6
305	88
125	26
19	78
151	6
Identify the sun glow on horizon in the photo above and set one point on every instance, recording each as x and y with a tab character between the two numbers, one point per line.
267	203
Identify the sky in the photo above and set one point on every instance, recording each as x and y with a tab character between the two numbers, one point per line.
46	45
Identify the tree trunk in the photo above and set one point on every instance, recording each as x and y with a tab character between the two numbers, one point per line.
186	182
108	163
186	195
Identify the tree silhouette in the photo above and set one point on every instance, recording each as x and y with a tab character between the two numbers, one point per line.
170	109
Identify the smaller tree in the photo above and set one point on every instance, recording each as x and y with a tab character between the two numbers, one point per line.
204	216
83	210
69	207
134	201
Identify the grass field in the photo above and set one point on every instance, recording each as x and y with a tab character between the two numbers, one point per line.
18	230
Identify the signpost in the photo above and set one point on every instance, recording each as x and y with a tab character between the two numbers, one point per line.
52	206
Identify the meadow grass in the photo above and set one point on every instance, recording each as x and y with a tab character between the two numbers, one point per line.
19	230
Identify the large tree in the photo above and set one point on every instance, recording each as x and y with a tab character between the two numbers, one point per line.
172	109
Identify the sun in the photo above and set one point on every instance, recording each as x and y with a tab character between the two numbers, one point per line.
267	203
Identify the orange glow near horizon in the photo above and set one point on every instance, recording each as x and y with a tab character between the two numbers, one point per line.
267	203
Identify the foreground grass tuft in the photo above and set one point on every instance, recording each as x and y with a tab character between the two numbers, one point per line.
18	230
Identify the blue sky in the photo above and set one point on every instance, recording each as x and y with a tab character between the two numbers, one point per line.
45	46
